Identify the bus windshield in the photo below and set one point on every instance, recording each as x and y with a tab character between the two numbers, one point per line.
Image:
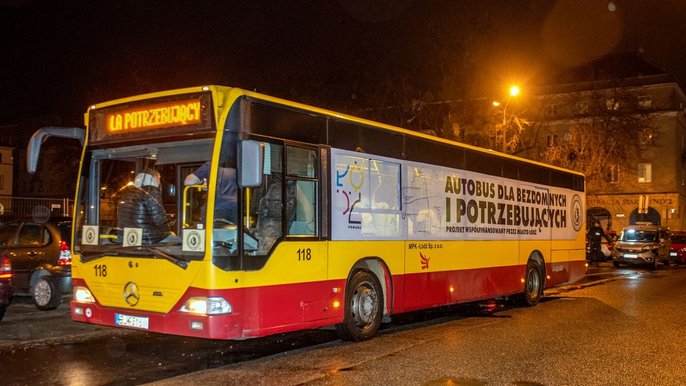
139	199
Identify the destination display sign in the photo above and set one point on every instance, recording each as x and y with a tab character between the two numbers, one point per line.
177	113
168	116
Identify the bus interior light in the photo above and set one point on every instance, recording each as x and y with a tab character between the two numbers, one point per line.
201	305
83	295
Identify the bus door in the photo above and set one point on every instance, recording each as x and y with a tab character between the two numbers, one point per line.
283	217
285	205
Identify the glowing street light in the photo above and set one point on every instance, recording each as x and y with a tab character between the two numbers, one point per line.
513	92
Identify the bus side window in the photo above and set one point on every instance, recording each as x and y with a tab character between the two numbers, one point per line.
302	216
269	218
301	196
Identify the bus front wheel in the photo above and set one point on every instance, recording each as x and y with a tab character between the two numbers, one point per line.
533	284
363	307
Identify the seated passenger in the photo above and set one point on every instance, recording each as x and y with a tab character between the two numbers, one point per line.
141	207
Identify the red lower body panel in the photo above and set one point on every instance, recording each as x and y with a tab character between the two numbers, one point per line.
260	311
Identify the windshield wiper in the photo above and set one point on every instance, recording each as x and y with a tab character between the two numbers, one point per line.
90	256
158	252
143	251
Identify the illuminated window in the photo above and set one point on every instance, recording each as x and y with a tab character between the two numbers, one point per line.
645	102
645	172
612	104
613	174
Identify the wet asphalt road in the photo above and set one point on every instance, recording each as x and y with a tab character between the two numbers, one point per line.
626	331
620	327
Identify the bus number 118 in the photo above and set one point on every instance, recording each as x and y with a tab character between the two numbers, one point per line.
304	254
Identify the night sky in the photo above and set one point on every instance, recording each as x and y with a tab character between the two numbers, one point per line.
60	56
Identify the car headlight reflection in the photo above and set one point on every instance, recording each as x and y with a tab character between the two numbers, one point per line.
203	305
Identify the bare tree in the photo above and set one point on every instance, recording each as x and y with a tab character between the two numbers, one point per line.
609	125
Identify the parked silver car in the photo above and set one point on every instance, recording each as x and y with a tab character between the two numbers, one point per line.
642	245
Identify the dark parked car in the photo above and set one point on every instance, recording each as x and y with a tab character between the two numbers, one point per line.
6	289
677	252
41	259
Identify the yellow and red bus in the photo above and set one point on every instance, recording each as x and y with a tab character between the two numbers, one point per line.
339	220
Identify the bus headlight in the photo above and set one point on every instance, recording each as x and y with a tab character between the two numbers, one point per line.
213	305
83	295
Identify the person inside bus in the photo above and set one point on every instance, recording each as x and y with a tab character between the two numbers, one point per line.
227	189
141	207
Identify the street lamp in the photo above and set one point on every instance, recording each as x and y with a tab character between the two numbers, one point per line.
513	91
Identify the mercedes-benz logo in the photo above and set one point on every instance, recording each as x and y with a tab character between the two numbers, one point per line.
132	293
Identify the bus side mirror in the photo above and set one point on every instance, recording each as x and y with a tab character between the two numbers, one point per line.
251	158
37	139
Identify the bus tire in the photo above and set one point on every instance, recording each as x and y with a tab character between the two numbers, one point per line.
533	285
363	308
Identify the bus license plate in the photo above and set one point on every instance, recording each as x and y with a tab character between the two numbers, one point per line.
131	321
630	255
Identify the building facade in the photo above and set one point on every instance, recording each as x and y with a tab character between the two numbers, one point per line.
647	107
6	170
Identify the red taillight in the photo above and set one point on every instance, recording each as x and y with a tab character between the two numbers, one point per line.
5	268
65	254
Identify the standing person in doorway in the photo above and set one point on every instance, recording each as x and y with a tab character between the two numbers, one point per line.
227	189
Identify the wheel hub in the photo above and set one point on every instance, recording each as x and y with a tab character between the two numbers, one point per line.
41	292
364	306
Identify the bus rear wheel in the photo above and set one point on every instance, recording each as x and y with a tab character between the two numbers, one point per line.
533	285
363	308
